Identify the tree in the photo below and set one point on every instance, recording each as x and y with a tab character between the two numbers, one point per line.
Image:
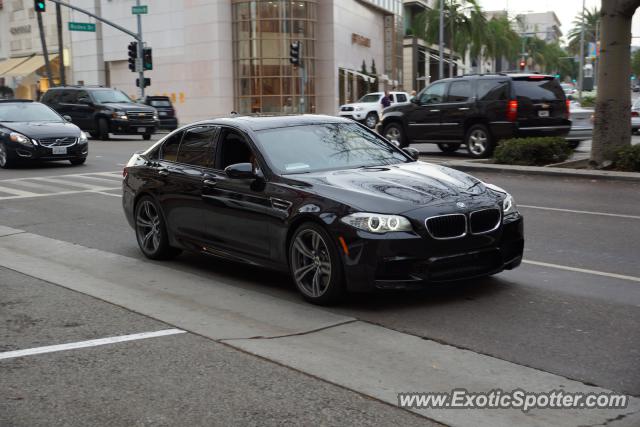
591	22
612	127
635	63
501	41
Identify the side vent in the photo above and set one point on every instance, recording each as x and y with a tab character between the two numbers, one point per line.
281	205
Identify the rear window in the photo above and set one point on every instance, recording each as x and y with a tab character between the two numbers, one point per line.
160	103
538	89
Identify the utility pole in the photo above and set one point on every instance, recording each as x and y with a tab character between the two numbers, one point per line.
140	54
63	78
45	52
441	40
581	71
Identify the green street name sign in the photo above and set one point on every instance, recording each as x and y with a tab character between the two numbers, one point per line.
82	26
139	10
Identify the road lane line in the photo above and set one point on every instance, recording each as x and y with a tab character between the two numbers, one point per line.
75	183
62	193
579	212
109	194
16	192
90	343
583	270
69	175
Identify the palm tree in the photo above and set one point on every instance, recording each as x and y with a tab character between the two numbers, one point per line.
501	41
465	27
591	22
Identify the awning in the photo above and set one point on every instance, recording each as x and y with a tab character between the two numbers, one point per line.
358	74
29	66
9	64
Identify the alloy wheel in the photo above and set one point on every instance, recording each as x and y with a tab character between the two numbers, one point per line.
311	263
371	121
393	134
148	227
477	142
3	156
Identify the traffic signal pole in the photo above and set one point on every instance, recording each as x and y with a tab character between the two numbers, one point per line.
43	41
139	65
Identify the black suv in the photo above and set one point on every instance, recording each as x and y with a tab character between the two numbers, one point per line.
166	112
479	110
101	111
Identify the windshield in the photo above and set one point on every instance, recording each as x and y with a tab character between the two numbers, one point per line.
28	112
312	148
372	97
160	103
106	96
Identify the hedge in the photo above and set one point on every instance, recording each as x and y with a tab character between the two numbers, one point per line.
628	159
538	151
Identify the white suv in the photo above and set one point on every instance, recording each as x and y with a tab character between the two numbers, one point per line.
368	109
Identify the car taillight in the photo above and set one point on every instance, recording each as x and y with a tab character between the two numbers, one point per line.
512	111
635	114
568	112
125	172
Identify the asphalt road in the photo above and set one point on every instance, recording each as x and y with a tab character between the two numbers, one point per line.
581	324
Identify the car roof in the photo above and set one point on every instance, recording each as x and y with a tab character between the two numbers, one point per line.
257	123
10	101
157	97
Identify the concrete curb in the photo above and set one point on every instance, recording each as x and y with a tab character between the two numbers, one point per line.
468	166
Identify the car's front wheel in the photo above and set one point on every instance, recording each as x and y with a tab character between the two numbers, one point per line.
448	148
394	133
315	265
151	231
371	120
103	129
146	136
479	141
5	160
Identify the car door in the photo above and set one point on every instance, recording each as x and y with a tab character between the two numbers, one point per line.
423	121
456	110
83	111
65	102
185	158
239	210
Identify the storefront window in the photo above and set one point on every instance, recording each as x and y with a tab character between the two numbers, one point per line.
265	81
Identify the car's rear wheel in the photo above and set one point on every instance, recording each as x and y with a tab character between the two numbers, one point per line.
146	136
371	120
479	141
394	133
315	265
448	148
5	159
151	231
103	129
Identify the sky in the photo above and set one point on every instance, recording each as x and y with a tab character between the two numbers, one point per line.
566	10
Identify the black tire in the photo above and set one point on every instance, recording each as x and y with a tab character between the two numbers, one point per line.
78	161
324	287
574	144
394	132
146	136
103	129
6	161
479	141
94	135
371	120
449	148
151	231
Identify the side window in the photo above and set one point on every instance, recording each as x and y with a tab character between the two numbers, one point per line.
493	90
196	147
401	97
68	97
233	149
83	97
51	97
459	91
434	94
169	150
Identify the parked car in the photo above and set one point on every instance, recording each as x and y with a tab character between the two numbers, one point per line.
166	112
479	111
581	125
569	89
101	111
324	198
369	108
32	131
635	116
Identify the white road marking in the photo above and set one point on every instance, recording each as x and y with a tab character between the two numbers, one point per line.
90	343
16	192
75	184
103	178
583	270
70	175
61	193
109	194
38	186
580	212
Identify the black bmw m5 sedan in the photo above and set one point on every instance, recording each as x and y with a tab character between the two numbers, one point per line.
327	199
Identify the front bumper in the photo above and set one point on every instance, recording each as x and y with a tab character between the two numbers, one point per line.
354	115
412	261
129	127
169	123
39	152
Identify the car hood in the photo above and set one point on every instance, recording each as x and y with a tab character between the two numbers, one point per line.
128	106
44	129
401	188
360	104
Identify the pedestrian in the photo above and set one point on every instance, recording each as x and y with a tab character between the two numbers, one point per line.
385	101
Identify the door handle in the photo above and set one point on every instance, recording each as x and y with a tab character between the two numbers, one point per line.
434	111
210	182
163	172
463	108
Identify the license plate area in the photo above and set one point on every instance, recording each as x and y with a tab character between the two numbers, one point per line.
543	113
142	130
59	150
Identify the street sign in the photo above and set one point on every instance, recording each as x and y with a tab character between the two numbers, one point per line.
139	10
82	26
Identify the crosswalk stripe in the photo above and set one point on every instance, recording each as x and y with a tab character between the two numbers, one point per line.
75	184
97	178
38	186
62	193
57	185
16	192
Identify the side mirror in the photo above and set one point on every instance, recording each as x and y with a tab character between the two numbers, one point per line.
67	118
240	171
412	152
415	100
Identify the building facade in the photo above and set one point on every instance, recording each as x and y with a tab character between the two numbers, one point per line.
216	56
543	25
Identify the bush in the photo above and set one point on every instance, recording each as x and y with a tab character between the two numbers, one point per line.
588	101
628	159
532	151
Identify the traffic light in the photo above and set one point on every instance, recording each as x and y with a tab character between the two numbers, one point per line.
147	59
39	6
522	64
133	55
294	53
147	82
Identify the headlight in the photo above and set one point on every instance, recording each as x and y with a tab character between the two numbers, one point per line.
358	108
155	116
120	115
377	223
508	203
20	138
83	138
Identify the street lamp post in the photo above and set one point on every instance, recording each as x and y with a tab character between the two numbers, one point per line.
441	63
581	71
